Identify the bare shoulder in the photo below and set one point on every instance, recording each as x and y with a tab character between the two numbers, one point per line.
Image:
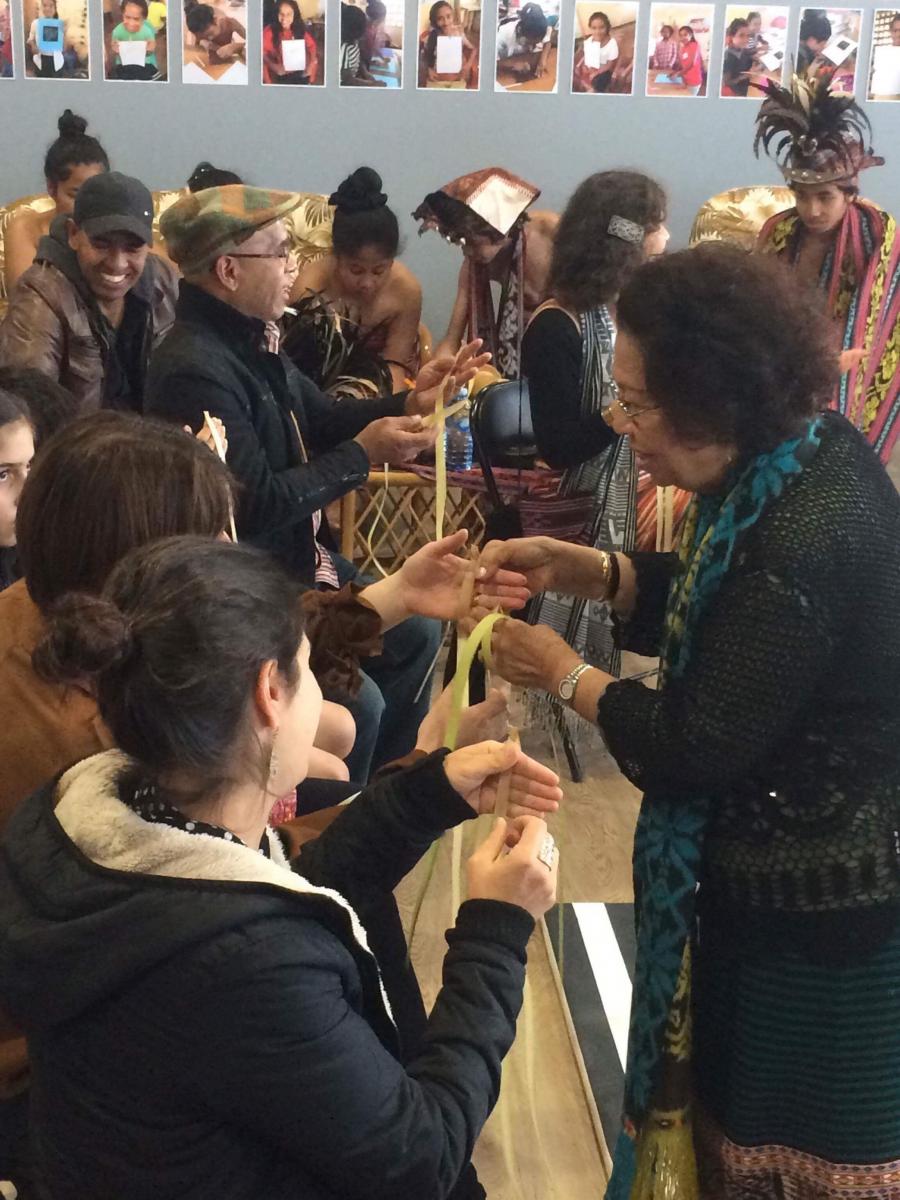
543	223
312	277
404	284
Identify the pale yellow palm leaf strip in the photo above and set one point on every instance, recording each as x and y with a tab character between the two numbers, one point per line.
220	450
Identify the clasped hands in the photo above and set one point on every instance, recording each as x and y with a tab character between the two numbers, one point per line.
534	656
437	582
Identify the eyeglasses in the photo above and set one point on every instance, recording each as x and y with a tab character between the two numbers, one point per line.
631	412
286	254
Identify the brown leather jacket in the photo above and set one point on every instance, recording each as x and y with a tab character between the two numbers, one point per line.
54	325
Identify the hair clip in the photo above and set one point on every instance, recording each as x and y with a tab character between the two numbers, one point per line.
625	230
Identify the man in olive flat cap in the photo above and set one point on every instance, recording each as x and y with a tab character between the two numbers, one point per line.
293	449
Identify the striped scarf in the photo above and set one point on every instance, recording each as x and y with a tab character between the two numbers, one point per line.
654	1153
861	278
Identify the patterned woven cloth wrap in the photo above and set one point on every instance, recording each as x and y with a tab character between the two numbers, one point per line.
498	200
861	280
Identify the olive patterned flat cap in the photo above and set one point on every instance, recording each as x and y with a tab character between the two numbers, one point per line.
199	228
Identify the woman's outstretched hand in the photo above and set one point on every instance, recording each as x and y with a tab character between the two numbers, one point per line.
206	436
436	582
474	772
547	565
487	721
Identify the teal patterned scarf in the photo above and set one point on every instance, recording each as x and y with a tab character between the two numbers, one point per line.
667	854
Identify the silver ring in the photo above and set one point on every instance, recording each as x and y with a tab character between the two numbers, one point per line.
547	851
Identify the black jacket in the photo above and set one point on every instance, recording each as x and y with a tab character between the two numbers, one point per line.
203	1022
213	360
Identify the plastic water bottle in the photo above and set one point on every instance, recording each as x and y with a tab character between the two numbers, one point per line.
458	436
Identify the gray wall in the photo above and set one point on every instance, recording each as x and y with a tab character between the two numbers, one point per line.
310	138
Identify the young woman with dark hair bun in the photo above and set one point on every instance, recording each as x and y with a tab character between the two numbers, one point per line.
74	157
205	175
377	298
255	1038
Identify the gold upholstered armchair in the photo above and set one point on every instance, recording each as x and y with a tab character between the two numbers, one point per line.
738	215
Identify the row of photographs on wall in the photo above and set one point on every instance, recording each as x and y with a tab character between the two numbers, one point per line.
607	59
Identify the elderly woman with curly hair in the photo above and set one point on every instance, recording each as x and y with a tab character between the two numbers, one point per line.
613	222
766	858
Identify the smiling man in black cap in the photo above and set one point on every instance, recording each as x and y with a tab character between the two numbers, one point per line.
96	301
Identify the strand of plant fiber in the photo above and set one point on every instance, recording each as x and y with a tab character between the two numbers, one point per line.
220	450
465	656
376	521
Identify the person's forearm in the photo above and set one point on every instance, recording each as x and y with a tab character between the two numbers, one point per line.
591	686
449	345
386	597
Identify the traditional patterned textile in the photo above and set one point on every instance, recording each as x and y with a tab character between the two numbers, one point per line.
497	197
501	332
611	479
462	208
802	1102
861	279
654	1149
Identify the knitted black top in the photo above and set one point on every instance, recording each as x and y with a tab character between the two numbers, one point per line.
788	714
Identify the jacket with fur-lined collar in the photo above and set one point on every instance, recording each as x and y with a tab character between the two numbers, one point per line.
204	1021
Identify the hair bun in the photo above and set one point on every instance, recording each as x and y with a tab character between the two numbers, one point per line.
70	125
360	192
86	635
201	171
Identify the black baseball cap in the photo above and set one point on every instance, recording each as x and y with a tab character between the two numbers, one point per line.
114	203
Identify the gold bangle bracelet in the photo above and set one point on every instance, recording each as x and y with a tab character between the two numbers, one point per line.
607	574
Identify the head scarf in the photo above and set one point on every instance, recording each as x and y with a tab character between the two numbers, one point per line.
496	197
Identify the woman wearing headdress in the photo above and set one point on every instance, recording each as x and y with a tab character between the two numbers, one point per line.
486	215
835	239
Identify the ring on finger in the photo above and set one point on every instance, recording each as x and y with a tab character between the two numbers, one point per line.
547	851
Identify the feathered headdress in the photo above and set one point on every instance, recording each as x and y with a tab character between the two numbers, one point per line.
812	134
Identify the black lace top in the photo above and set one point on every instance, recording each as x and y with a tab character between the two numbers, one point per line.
789	712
